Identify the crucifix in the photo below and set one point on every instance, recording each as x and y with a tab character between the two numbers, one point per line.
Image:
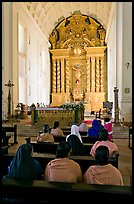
9	85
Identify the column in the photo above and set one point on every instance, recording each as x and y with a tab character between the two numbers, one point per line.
58	76
97	75
62	75
88	75
102	75
93	73
116	108
54	76
67	77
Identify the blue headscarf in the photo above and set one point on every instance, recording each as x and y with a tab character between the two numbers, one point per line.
22	165
94	130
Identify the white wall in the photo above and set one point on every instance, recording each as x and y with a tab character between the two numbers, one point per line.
126	103
119	42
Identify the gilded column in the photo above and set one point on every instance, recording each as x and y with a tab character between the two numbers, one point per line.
97	74
54	76
88	76
62	75
67	77
102	74
93	73
58	76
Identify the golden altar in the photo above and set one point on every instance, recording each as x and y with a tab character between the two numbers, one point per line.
40	116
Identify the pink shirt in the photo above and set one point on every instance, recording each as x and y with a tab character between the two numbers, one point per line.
108	127
63	170
106	174
111	146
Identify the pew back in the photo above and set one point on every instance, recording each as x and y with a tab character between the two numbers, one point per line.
48	147
44	158
55	192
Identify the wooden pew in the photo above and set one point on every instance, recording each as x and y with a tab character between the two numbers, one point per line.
11	129
46	147
85	139
44	158
41	191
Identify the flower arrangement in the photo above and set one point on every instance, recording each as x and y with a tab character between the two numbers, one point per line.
75	106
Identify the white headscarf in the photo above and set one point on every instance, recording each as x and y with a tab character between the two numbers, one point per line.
75	131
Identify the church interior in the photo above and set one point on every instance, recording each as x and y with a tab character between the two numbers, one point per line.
71	62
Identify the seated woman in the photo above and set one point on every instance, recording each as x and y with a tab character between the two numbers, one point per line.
23	166
56	130
108	126
46	136
83	127
113	149
75	131
77	148
63	169
94	130
103	172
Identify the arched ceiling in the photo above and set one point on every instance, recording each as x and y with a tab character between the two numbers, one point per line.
49	14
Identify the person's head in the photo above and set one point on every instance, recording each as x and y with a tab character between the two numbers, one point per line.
24	150
106	119
46	128
56	124
74	129
102	155
63	149
95	123
103	134
22	165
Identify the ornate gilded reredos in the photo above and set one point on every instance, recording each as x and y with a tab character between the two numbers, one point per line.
78	62
77	32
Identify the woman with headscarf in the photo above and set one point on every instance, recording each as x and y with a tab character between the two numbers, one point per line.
23	166
74	139
94	130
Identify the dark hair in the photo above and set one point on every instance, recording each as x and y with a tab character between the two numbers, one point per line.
102	155
103	134
63	148
107	119
56	124
46	128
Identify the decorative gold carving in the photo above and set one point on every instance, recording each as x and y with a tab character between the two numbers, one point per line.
78	41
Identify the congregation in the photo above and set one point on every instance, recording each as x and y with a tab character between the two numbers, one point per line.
63	168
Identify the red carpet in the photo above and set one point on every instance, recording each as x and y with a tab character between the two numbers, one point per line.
88	122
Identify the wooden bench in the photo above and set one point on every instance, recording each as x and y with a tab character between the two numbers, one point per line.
41	191
44	158
11	129
47	147
85	139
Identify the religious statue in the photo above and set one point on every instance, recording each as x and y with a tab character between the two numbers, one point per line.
78	72
77	91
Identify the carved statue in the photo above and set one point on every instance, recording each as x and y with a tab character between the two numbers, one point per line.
77	91
78	73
